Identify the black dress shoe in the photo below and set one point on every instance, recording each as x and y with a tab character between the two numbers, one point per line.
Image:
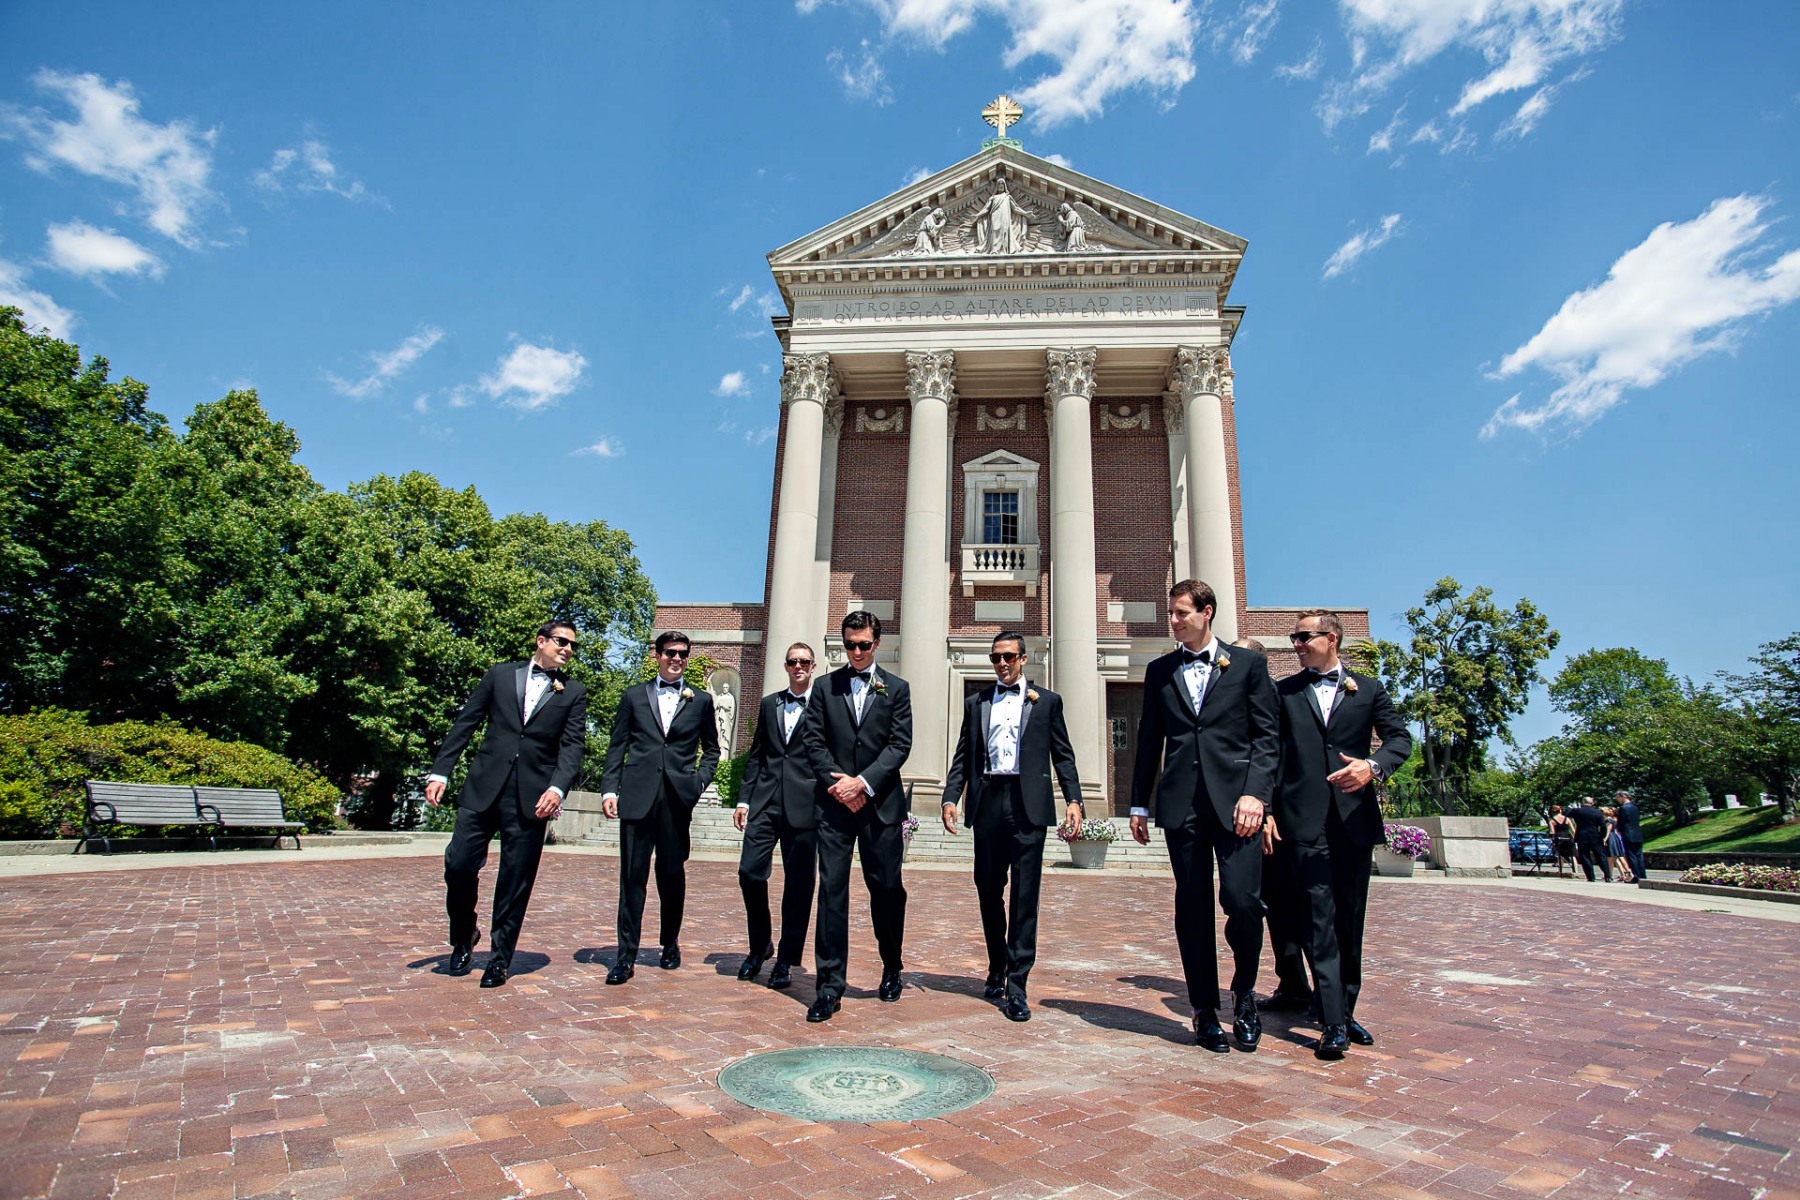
1286	999
671	957
890	986
1246	1026
1208	1035
822	1008
1358	1034
1016	1009
495	975
753	963
1332	1043
621	971
779	975
461	956
994	988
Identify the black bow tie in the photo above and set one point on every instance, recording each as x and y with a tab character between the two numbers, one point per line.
537	670
1003	689
1325	676
863	675
790	698
664	683
1188	656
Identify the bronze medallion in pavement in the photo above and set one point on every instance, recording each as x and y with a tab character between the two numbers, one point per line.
856	1083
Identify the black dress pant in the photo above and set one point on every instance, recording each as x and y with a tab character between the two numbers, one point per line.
1592	853
841	832
1290	918
1334	875
521	846
1008	848
664	832
767	828
1192	848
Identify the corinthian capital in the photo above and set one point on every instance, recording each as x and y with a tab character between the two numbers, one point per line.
1070	372
809	377
931	375
1200	370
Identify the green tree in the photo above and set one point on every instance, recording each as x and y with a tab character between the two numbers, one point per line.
1769	710
1464	675
1596	687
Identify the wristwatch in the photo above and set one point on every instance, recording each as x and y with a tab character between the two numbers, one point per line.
1374	769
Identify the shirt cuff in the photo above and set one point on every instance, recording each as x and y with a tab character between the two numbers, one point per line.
559	792
1140	812
742	807
437	779
865	783
609	796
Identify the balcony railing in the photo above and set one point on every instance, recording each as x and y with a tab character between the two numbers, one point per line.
995	563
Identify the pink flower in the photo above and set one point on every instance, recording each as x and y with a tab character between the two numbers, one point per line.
557	684
1349	685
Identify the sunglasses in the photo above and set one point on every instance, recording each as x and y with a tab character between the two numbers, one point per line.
674	653
1304	636
800	662
565	643
859	647
1003	656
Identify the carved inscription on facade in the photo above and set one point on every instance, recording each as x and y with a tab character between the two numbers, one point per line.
1026	306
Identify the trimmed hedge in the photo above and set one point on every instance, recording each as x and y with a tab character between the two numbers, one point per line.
45	756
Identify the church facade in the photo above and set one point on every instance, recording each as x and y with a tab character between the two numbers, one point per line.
1007	403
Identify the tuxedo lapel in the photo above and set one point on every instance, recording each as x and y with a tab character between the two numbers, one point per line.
987	719
1312	702
652	698
519	682
1178	681
1025	706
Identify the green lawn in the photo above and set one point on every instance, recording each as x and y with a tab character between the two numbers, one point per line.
1737	829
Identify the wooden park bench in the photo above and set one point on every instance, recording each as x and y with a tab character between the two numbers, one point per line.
247	808
138	804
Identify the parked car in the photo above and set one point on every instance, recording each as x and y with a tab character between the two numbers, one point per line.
1530	846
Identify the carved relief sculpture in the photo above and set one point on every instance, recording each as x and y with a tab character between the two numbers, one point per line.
880	421
1124	419
1000	227
1074	232
1001	418
1173	422
930	236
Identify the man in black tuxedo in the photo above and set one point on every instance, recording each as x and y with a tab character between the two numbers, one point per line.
779	804
1631	832
1012	735
650	783
857	733
1328	811
1590	838
536	733
1206	757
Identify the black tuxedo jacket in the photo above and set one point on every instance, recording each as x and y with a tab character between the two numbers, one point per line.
874	749
1043	744
546	750
1230	748
1590	823
781	771
1629	827
640	757
1309	752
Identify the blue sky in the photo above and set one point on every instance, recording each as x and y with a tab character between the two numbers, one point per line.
1521	279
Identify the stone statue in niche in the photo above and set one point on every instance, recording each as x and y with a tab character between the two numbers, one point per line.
1074	232
1000	226
930	236
880	421
723	683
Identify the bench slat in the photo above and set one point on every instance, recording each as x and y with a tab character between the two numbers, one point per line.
247	806
145	803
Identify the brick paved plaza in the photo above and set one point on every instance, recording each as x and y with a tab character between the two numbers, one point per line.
273	1025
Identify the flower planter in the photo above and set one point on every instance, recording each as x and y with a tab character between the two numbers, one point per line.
1397	865
1088	854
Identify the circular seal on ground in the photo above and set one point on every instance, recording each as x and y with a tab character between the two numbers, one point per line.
856	1083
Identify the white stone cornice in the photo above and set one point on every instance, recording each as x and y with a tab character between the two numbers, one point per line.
1070	372
931	375
809	377
1200	370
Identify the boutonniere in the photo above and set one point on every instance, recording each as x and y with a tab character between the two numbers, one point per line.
1349	685
687	693
878	685
1031	695
556	684
1222	661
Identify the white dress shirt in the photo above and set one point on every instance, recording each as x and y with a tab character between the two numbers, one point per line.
1194	675
1326	690
1005	716
792	705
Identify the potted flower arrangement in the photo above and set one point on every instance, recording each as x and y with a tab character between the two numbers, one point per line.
1088	841
908	827
1406	844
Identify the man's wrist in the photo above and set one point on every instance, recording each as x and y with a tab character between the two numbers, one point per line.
434	778
1140	812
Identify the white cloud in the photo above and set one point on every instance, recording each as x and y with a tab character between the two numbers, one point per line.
308	168
39	309
1360	244
756	437
917	173
459	397
606	447
1060	160
1382	140
742	298
1683	292
167	165
732	383
387	365
533	377
862	75
1250	29
1308	67
759	304
1097	48
1523	42
81	249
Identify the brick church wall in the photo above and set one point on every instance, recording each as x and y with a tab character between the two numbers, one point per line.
1132	522
870	511
971	443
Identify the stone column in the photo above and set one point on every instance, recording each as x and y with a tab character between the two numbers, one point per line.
925	569
1200	377
808	387
1074	608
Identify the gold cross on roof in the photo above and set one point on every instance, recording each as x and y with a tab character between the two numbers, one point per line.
1001	113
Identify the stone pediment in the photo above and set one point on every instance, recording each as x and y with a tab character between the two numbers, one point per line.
1006	204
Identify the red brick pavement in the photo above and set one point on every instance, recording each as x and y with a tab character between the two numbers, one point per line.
276	1029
